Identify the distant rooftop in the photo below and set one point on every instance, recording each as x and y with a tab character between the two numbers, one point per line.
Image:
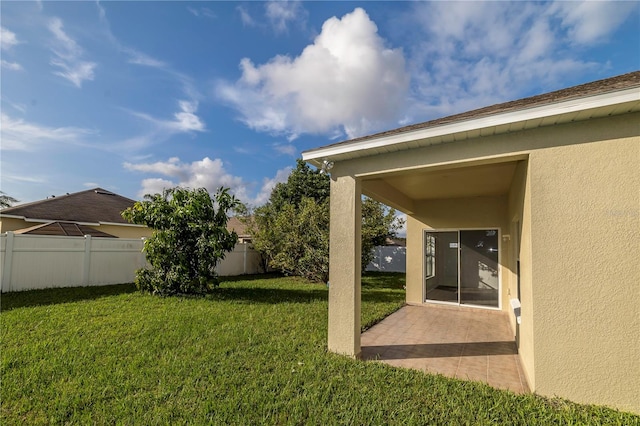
90	206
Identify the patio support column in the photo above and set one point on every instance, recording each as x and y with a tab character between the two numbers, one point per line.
344	266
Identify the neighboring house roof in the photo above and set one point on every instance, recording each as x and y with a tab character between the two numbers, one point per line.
93	206
397	242
68	229
613	95
235	224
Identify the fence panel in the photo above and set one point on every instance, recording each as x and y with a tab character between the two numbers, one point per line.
29	262
241	260
36	261
389	259
115	260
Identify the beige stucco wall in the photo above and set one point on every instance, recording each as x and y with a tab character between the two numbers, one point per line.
585	259
575	197
519	214
123	231
11	224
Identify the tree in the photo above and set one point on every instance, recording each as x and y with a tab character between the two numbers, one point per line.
303	240
189	238
292	229
303	182
378	224
6	200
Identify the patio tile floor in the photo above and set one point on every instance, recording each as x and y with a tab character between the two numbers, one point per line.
460	342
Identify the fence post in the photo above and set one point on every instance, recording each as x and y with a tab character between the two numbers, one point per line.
143	256
7	285
244	267
87	260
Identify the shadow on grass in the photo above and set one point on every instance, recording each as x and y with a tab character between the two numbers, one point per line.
52	296
255	277
376	287
258	290
385	280
268	295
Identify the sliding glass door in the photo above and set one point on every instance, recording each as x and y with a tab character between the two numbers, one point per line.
442	266
461	267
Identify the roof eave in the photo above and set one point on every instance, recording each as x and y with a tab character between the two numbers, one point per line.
363	147
78	222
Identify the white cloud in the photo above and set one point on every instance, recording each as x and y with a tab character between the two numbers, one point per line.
592	21
286	149
8	39
205	173
472	54
21	178
268	184
184	120
245	17
13	66
67	56
20	135
337	83
155	186
203	11
281	12
135	57
20	107
139	58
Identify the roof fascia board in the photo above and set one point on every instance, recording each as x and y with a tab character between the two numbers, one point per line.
28	219
12	216
135	225
544	111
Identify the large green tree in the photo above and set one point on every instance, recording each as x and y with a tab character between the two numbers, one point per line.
189	238
292	229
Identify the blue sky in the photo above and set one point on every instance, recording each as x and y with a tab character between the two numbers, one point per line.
137	96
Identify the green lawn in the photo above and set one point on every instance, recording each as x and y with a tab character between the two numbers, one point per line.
251	353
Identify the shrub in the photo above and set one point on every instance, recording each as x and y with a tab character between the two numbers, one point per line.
189	239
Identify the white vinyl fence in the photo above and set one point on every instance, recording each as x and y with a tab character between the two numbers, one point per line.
388	259
29	262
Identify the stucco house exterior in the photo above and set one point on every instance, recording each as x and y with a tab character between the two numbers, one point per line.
530	207
94	211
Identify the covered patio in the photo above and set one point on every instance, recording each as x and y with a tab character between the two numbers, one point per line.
458	342
524	213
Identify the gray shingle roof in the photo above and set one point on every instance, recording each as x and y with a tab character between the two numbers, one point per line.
92	206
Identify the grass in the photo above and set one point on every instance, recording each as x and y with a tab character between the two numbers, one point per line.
254	352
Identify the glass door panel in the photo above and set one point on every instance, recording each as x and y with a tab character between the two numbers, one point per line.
479	284
441	268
